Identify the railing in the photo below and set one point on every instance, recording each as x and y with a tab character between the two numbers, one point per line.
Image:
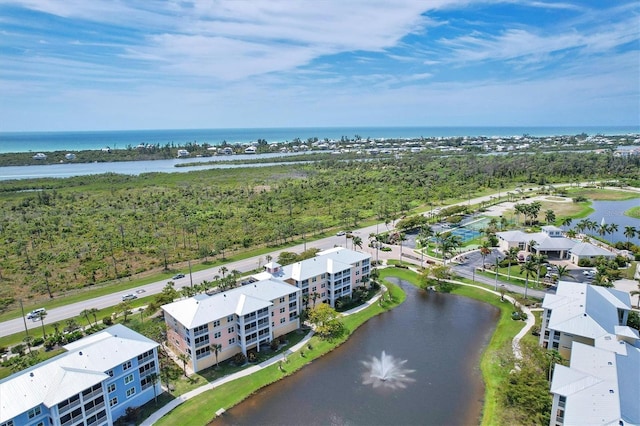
94	409
249	330
90	395
201	332
145	359
69	407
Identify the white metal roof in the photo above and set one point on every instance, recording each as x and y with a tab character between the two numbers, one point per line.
587	249
590	385
58	378
203	309
585	310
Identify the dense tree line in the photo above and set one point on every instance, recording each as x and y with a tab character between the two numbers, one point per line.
60	234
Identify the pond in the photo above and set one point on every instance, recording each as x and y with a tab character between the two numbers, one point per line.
428	374
613	212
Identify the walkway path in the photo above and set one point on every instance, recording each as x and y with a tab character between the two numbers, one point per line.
221	381
247	371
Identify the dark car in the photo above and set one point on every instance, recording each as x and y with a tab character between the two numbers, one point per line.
178	276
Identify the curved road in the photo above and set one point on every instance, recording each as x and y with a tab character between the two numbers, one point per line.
73	310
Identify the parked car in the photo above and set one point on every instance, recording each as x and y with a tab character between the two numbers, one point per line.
589	273
340	234
35	314
178	276
128	296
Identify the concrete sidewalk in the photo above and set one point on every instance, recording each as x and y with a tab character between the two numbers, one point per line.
221	381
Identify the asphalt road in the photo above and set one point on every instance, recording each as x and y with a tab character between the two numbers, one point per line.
73	310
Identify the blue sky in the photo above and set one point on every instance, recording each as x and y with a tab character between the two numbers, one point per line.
142	64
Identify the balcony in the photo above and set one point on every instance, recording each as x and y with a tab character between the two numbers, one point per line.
145	359
92	410
74	404
200	332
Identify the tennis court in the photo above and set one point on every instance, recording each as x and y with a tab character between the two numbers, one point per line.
465	234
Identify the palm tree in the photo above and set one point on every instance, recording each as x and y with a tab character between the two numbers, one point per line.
539	260
612	229
511	256
567	221
485	250
85	313
42	316
550	216
185	359
94	313
563	271
223	270
356	242
216	348
630	232
28	340
425	233
529	269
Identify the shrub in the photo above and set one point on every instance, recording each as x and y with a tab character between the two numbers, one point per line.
239	359
585	262
385	248
18	349
274	344
37	341
107	321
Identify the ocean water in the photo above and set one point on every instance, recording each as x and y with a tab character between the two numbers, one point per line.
91	140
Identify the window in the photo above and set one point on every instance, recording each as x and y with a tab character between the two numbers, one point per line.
147	354
110	373
313	280
217	335
282	310
203	352
149	366
216	323
93	404
231	329
292	296
314	288
323	285
131	392
230	318
113	401
232	340
128	379
202	340
323	294
282	320
293	315
9	423
282	300
111	387
34	412
126	365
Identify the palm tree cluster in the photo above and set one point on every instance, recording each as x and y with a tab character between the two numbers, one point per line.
531	211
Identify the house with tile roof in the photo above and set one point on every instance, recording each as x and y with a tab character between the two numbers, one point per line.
93	383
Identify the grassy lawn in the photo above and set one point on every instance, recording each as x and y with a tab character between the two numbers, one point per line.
201	409
598	194
633	212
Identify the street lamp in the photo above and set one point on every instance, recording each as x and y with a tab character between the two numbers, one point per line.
497	264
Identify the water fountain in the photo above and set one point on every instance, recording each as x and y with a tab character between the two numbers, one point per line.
386	371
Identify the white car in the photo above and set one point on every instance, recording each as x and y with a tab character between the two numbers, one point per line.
589	273
340	234
36	313
129	296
